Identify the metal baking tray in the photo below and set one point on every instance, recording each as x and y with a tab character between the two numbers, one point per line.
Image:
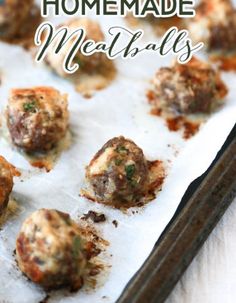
201	208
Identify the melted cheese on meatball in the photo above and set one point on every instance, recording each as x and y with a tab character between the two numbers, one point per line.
50	251
100	164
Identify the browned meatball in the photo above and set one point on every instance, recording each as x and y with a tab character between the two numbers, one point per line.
6	184
87	64
189	88
215	25
118	173
50	250
13	13
37	118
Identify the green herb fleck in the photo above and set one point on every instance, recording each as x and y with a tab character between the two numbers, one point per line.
118	162
30	106
76	246
134	183
122	150
130	171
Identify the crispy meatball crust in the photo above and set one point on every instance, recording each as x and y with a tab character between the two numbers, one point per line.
13	13
88	64
50	250
37	118
6	184
118	173
215	25
190	88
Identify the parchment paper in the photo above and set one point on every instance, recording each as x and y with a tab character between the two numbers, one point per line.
121	109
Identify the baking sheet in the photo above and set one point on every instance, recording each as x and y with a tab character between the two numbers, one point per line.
121	109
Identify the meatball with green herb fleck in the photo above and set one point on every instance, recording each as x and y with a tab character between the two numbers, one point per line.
37	118
118	173
50	250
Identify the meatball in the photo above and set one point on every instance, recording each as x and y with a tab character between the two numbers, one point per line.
190	88
13	13
6	184
50	250
87	64
118	173
37	118
215	25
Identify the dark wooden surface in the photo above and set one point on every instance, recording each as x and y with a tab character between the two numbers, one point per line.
201	208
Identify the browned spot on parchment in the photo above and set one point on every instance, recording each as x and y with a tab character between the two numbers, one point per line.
88	83
188	127
48	160
174	122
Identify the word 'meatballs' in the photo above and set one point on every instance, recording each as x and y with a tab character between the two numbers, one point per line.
189	88
6	184
88	64
50	250
215	25
118	174
37	118
13	13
